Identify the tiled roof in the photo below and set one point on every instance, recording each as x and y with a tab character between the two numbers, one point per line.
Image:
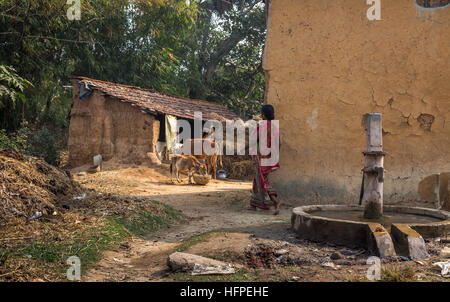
158	103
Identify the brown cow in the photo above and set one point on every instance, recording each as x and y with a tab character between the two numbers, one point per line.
211	160
183	163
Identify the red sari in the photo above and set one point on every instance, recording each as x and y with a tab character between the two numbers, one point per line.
262	188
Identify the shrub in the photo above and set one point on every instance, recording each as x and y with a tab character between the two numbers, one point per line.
40	143
43	143
17	140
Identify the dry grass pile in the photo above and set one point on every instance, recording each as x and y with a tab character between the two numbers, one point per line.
106	204
38	249
202	179
243	169
73	220
29	185
238	167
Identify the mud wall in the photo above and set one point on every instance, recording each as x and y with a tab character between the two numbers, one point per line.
103	125
327	65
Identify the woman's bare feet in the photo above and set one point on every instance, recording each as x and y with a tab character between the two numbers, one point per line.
277	210
277	205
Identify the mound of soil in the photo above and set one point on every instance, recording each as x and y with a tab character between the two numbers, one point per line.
29	185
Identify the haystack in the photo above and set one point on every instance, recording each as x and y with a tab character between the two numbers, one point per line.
30	185
238	167
242	169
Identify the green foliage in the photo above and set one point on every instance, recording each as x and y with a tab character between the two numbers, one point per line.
122	41
89	245
200	50
17	140
397	274
43	143
147	223
11	85
40	143
228	68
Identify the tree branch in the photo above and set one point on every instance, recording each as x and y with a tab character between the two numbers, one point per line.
228	44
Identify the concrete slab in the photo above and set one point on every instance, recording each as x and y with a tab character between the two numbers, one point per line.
405	240
408	242
379	241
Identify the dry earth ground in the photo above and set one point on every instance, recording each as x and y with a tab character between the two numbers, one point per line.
218	224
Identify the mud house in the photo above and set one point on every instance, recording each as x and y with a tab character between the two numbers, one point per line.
327	65
126	122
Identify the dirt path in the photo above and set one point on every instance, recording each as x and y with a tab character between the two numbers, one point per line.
240	236
221	205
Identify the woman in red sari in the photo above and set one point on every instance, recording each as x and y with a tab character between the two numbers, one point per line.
263	194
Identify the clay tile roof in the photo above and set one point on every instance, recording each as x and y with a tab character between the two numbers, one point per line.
157	103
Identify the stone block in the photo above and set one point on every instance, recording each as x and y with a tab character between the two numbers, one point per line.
379	241
197	265
408	242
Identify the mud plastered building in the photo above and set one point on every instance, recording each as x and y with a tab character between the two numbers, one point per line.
327	65
124	122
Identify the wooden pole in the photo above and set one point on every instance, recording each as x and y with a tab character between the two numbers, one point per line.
373	167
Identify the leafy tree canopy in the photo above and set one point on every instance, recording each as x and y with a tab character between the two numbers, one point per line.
208	49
